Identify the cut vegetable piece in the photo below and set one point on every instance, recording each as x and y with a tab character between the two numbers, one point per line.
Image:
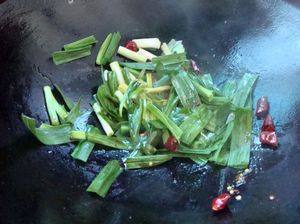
131	54
47	134
146	54
113	83
100	57
157	89
90	40
199	159
165	80
61	57
243	90
170	59
127	95
135	121
173	128
241	138
194	124
73	114
112	47
176	46
67	101
146	161
109	141
172	102
105	100
105	125
165	49
203	92
153	43
220	116
149	80
84	148
229	89
49	99
115	67
139	65
185	90
105	178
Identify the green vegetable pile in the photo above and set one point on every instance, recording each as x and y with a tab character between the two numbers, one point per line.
156	110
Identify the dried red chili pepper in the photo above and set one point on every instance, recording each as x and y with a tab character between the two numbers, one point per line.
262	107
131	45
171	144
268	138
268	124
220	202
195	66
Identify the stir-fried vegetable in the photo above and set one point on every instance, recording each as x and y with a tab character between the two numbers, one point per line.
157	110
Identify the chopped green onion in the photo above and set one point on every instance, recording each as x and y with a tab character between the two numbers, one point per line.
115	67
139	65
81	43
185	90
194	124
100	57
165	49
112	47
176	46
153	43
105	125
84	148
173	128
239	154
146	161
61	57
146	54
131	54
243	90
50	107
105	178
47	134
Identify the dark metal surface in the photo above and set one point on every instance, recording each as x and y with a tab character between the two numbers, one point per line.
40	184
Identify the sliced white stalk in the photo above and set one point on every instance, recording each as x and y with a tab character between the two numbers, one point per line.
105	75
123	88
149	79
115	67
146	54
157	89
105	125
131	54
165	49
148	43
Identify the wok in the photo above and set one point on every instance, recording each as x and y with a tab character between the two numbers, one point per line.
43	184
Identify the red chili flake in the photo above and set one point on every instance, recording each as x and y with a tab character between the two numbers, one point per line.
268	124
171	144
268	138
195	66
131	45
262	107
220	202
